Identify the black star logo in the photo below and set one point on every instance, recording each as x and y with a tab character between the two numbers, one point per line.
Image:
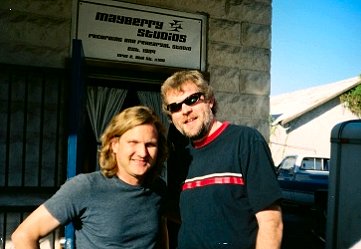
176	25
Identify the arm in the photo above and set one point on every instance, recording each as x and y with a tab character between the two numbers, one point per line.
37	225
270	228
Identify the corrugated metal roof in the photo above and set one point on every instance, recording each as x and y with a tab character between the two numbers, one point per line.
286	107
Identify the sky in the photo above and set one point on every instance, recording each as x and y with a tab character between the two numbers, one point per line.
314	42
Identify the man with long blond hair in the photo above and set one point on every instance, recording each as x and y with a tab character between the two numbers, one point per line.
119	206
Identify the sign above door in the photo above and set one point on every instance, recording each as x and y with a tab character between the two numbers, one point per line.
132	33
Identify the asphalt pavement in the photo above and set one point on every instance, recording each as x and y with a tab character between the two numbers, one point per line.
301	230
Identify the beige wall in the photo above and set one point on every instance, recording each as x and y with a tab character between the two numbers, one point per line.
309	134
38	33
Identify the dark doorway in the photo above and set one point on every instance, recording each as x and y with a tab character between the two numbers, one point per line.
131	99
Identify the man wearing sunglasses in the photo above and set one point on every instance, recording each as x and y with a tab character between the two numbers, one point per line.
225	175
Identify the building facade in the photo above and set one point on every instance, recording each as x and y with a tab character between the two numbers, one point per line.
42	70
304	119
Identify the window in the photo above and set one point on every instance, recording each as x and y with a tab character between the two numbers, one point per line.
288	163
310	163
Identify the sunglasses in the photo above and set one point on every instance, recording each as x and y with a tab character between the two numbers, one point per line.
190	100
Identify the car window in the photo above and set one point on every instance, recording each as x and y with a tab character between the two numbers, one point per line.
308	163
311	163
326	164
318	164
288	163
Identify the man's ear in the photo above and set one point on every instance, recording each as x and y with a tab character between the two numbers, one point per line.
211	102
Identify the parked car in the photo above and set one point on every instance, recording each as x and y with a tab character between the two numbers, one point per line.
303	178
304	182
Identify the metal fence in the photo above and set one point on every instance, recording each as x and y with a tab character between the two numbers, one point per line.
32	142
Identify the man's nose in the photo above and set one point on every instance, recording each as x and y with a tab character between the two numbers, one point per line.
186	108
142	150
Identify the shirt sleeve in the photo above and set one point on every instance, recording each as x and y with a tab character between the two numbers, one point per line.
70	200
261	180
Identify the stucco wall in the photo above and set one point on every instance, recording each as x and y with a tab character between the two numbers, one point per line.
38	33
311	133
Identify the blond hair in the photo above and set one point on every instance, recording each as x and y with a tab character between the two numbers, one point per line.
121	123
176	81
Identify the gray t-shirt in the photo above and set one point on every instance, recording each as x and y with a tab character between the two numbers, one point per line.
109	213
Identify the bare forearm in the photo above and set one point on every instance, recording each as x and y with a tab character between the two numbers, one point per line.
270	229
37	225
268	238
22	241
25	245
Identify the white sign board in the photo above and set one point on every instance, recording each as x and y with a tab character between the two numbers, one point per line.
119	31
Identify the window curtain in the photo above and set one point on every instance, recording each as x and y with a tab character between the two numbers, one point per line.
102	104
153	100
